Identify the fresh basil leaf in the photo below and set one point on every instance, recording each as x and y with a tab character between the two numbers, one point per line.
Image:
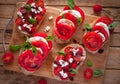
88	27
32	20
27	39
89	63
79	20
113	25
28	8
15	47
63	15
71	4
50	38
97	73
34	50
61	53
73	71
26	45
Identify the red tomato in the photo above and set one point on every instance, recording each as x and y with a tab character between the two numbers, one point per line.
57	71
58	58
68	16
78	9
105	20
64	31
8	57
43	46
67	50
29	61
92	41
18	21
100	29
30	1
39	3
88	73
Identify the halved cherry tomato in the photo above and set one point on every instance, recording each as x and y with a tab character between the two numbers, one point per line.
29	61
92	41
102	30
88	73
78	9
64	31
8	57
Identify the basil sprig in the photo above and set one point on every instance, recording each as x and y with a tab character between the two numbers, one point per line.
28	8
89	63
71	4
15	47
49	38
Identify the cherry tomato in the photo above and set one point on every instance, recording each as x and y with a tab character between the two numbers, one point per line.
8	57
88	73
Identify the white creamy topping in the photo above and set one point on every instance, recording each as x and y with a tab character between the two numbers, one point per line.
54	65
23	20
40	9
39	49
50	18
104	26
64	75
63	63
73	12
102	35
33	4
19	27
38	38
66	21
20	14
71	60
74	51
47	28
28	26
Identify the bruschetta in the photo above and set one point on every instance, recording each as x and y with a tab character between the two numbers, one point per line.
67	62
29	16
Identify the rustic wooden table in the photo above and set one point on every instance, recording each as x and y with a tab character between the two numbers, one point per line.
110	8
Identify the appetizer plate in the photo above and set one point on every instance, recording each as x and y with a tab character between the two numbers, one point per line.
99	60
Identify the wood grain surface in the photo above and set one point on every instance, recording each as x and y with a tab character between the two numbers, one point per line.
110	8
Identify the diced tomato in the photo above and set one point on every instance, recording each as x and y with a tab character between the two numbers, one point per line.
39	3
18	21
8	57
92	41
100	29
67	57
23	10
33	30
88	73
29	61
30	1
42	81
58	58
74	65
57	71
67	50
38	17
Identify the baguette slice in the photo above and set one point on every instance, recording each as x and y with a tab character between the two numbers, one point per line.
80	58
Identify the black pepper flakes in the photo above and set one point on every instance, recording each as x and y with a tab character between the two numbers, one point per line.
100	51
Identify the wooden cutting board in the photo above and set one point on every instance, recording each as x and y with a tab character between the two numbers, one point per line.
99	60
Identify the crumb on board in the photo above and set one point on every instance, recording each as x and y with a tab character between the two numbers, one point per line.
47	28
50	18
